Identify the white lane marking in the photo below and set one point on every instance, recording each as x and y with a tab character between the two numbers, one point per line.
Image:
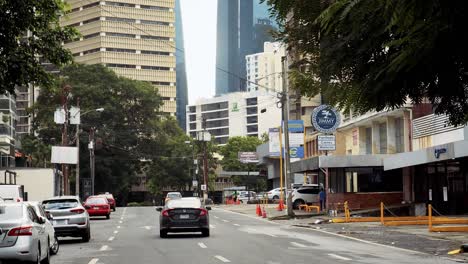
121	218
338	257
216	217
116	232
202	245
118	226
236	224
298	245
93	261
103	248
272	235
111	238
226	221
223	259
120	222
212	226
148	227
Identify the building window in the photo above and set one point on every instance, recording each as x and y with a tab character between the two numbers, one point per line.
252	119
119	4
155	7
383	138
252	101
154	37
115	65
252	129
123	35
91	35
91	51
150	52
151	22
222	140
215	106
192	109
252	110
91	20
368	140
193	126
155	68
192	118
399	135
121	50
120	19
161	83
90	5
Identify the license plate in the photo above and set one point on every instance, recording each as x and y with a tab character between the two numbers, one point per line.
60	222
184	217
96	208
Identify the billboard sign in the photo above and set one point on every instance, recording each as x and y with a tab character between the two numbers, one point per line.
248	157
274	142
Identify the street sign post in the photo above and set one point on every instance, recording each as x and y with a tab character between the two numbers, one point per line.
248	157
327	143
203	187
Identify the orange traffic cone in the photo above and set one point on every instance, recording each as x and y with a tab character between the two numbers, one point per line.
280	205
264	214
258	210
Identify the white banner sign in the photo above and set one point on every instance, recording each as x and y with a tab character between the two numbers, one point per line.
274	142
326	143
64	155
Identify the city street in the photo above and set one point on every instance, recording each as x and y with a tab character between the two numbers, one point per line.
132	236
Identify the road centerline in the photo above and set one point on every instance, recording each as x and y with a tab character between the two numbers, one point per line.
93	261
202	245
223	259
338	257
298	245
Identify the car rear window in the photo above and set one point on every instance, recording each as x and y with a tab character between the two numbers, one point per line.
184	203
174	195
60	204
96	201
10	212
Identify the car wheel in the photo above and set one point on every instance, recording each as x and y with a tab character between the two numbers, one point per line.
275	197
55	246
206	232
47	258
87	235
163	233
108	216
297	203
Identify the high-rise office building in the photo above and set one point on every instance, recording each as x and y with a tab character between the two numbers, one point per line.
264	69
241	24
135	38
182	90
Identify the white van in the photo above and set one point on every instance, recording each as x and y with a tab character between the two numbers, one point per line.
10	192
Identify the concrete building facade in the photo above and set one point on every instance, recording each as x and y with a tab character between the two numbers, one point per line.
235	114
135	38
264	69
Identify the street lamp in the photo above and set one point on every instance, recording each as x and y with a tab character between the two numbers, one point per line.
77	185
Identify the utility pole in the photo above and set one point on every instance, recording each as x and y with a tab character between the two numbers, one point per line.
91	158
77	181
65	93
205	162
287	163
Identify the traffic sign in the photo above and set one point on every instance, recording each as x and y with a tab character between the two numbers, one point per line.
195	183
203	187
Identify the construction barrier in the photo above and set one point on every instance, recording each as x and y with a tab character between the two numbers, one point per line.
458	228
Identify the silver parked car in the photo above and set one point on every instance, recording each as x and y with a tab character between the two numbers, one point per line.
23	235
69	217
54	243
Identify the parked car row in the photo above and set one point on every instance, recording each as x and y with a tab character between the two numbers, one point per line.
29	231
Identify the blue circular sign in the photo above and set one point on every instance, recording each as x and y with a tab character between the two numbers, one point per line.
326	119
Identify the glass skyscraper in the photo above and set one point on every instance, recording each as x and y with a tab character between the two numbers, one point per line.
242	28
181	74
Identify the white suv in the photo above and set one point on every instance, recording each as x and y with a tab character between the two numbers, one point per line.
275	194
306	194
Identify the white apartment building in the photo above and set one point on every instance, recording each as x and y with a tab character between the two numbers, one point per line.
235	114
265	68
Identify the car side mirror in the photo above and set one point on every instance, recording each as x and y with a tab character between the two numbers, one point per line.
159	209
41	220
208	208
49	216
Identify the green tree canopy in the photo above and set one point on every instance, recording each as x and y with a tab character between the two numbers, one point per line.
129	127
376	54
30	34
230	161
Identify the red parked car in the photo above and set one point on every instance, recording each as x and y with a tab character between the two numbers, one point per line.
98	206
110	198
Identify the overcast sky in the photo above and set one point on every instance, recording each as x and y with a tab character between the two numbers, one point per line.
199	22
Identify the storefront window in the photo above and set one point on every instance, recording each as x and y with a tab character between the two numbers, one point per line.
350	180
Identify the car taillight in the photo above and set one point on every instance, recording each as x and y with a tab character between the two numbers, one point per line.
77	211
203	212
21	231
166	212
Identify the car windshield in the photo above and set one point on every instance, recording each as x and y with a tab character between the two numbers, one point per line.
174	195
96	200
184	203
60	204
10	212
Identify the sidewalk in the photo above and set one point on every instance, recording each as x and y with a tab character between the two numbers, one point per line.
416	238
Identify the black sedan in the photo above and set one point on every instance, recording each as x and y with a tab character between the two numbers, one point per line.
184	215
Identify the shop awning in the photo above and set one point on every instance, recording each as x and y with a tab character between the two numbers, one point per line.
447	151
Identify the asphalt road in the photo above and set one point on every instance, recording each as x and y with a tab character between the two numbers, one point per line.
131	236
